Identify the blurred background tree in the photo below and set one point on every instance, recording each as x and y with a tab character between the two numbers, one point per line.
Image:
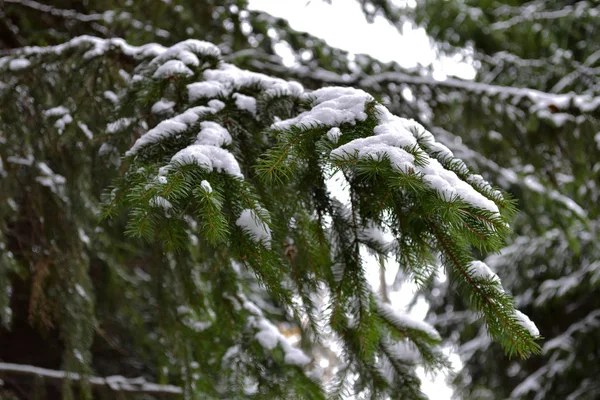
529	122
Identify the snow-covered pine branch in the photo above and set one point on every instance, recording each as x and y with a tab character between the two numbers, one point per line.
400	154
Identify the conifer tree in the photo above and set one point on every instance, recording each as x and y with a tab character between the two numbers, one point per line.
219	236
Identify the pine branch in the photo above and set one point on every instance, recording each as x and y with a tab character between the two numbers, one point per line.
115	383
494	304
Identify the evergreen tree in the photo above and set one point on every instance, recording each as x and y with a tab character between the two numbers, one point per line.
220	232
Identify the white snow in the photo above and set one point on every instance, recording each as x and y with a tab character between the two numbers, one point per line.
527	323
200	326
449	185
186	52
56	111
169	127
216	105
206	89
118	125
534	184
566	340
162	106
332	106
170	68
105	149
231	352
18	64
334	134
250	386
253	308
529	384
495	135
391	124
98	47
551	288
21	161
269	336
478	181
558	119
426	138
84	238
295	356
161	202
86	131
206	186
481	270
209	158
258	230
62	122
399	350
50	179
479	343
378	147
231	75
111	96
407	321
213	134
244	102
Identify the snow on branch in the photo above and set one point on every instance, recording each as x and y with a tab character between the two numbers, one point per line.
582	103
116	383
533	14
99	46
539	100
